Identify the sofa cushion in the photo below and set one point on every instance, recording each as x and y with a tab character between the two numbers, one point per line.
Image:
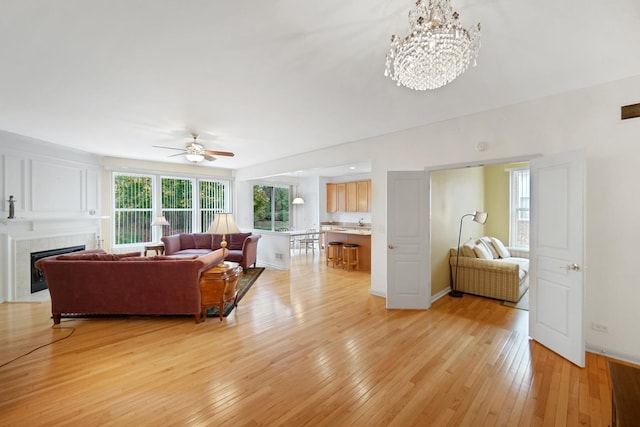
467	249
201	240
482	252
500	248
191	252
487	242
187	241
236	240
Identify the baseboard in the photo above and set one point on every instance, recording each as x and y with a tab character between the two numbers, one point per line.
440	294
614	355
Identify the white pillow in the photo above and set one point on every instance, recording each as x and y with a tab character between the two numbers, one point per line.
502	251
487	242
482	252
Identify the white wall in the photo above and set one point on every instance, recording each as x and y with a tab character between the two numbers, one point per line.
587	119
57	194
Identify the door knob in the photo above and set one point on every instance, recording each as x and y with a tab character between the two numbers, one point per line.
391	247
574	267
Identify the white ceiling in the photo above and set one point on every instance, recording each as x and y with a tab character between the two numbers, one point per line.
270	79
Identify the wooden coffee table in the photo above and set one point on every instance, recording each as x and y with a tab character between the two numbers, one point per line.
218	286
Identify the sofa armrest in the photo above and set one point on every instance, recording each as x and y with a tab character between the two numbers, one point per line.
171	244
210	260
250	250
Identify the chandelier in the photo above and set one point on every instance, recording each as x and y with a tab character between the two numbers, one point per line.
436	51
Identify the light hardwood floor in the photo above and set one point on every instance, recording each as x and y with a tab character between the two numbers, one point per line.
309	346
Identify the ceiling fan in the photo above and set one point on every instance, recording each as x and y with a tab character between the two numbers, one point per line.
195	152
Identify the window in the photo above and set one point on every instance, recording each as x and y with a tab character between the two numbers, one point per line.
214	197
189	205
271	208
177	204
519	208
133	208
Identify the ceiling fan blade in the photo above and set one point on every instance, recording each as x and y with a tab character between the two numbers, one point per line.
168	148
209	157
176	155
219	153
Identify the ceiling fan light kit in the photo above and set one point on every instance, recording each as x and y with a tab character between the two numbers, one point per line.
436	50
195	152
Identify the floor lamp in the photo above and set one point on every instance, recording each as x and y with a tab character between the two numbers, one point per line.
480	218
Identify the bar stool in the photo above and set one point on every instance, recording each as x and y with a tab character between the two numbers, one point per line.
334	253
351	256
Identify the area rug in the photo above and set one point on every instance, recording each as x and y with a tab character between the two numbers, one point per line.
523	304
248	278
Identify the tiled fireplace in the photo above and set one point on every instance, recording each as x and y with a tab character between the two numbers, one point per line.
21	242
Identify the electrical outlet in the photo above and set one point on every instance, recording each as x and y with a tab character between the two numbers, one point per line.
599	328
279	255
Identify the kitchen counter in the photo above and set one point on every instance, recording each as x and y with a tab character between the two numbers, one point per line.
361	231
360	237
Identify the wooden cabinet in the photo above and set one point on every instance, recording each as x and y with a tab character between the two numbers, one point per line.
341	195
363	196
332	198
352	196
218	286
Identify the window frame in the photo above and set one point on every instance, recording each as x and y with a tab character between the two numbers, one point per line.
517	212
284	225
226	183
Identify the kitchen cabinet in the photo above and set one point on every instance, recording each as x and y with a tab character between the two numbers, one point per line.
363	196
332	198
341	196
352	196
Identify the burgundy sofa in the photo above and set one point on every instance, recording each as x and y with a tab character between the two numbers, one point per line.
241	247
94	282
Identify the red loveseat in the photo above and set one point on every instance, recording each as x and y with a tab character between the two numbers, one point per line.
95	282
241	247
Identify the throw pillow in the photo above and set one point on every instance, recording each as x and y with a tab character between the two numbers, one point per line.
487	242
467	249
187	241
500	248
202	240
236	241
482	252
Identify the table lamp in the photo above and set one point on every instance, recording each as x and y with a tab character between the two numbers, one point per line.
223	223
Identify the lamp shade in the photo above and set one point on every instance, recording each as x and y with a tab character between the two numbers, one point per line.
480	217
161	221
223	223
298	201
195	158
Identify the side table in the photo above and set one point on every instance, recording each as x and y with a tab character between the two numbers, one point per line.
218	286
158	247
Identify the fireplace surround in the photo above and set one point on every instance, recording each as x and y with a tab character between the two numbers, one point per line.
22	238
38	282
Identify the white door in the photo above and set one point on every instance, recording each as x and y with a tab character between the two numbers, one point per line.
556	282
408	263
